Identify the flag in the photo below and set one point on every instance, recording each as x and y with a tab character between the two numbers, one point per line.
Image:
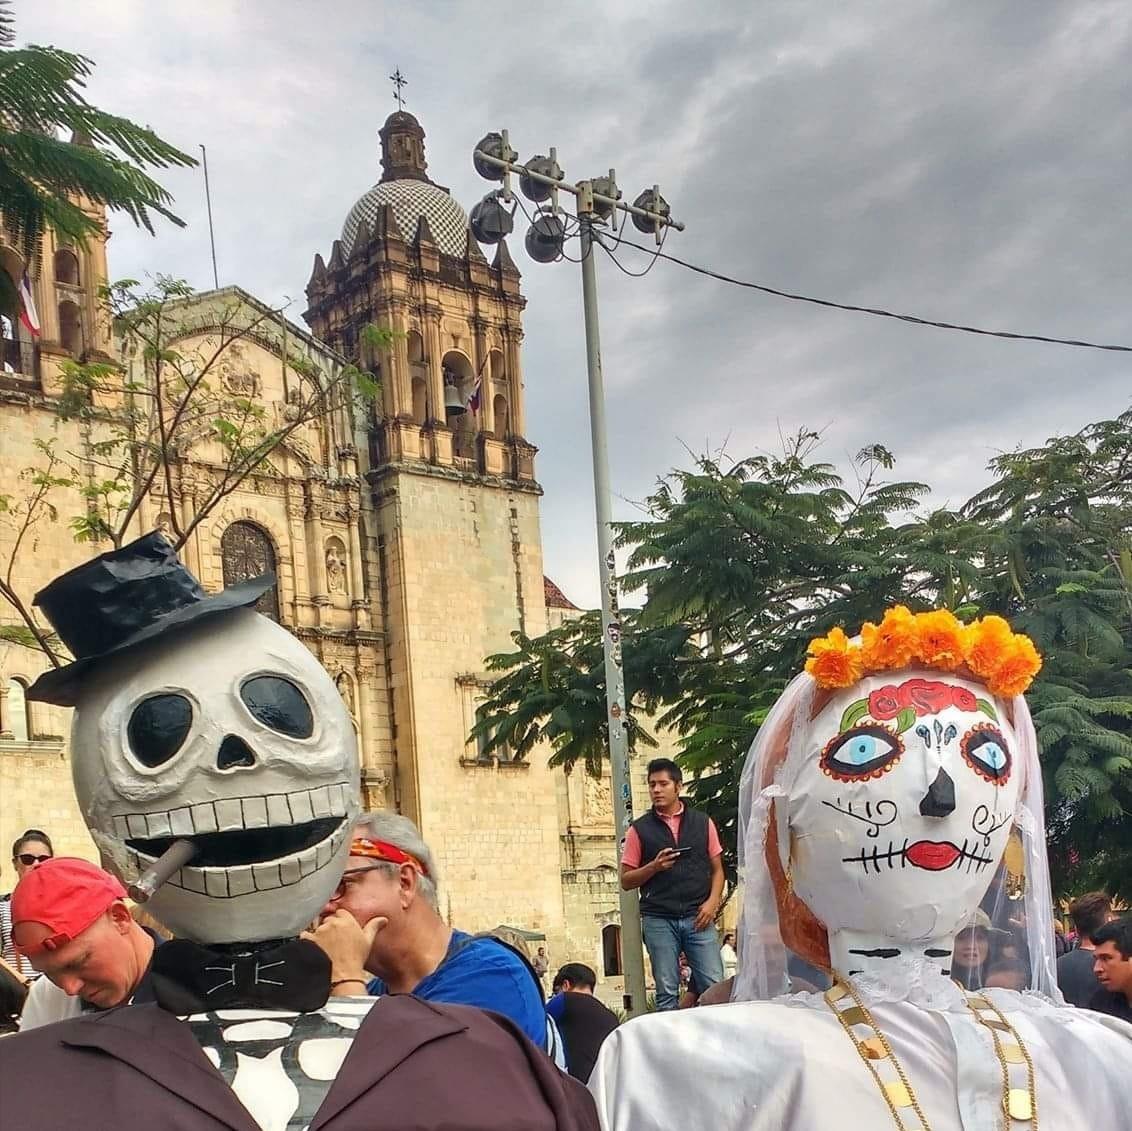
28	315
473	404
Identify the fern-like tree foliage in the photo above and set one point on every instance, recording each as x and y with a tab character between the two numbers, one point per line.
43	173
742	563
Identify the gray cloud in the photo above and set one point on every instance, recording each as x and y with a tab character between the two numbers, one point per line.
968	162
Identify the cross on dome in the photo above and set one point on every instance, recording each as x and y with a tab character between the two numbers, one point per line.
399	81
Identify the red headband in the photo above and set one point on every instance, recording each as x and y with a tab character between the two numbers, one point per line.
383	850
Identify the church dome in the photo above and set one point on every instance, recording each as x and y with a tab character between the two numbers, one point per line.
405	186
411	199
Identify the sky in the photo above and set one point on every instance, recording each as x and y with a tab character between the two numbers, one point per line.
964	162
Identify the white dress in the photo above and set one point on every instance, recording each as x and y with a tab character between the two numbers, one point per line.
787	1065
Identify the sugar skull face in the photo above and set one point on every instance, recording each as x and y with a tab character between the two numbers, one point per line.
904	804
231	735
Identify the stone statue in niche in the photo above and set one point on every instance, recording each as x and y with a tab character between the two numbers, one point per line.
346	690
597	803
335	567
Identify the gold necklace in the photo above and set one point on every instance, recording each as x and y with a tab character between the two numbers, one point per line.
1020	1105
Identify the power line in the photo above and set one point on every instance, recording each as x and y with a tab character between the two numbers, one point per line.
875	311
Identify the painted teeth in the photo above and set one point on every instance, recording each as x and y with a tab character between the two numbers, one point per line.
244	813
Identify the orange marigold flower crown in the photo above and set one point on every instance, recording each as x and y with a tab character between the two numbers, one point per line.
1004	660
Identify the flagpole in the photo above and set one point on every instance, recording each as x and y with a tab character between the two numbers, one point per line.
211	233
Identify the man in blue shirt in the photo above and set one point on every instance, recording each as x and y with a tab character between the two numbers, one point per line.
383	932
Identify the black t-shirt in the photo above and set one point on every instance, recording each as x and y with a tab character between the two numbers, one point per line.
1116	1005
584	1023
1076	979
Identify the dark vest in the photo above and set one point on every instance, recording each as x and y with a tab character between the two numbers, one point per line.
677	893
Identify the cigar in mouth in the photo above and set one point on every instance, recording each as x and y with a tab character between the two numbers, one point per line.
176	856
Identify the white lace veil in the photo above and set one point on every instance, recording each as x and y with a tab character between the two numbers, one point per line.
762	969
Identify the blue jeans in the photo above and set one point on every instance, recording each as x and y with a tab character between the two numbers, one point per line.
664	940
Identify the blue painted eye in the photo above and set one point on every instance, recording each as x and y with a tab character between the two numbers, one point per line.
861	753
864	748
986	752
993	754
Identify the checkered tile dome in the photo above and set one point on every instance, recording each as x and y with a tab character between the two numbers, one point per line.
412	199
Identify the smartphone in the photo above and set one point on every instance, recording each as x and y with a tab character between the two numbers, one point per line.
681	851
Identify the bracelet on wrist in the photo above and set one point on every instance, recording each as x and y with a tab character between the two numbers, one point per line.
348	981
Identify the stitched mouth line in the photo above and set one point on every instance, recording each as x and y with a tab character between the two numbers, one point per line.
897	856
244	846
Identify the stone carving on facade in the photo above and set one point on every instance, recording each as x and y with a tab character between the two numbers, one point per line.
236	377
597	802
345	687
335	566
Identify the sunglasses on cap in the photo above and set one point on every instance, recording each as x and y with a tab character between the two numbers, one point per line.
30	858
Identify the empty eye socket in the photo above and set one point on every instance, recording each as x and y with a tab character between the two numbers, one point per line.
985	751
158	728
278	704
861	753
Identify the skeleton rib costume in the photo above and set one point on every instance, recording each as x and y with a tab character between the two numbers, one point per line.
198	720
868	838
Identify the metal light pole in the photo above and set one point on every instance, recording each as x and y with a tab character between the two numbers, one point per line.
597	199
632	958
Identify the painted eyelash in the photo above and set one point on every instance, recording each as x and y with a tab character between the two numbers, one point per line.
839	740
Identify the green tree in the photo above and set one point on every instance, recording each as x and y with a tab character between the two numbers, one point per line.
166	425
41	176
1059	565
742	565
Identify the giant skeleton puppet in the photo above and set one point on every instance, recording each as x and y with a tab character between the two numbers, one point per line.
893	792
216	767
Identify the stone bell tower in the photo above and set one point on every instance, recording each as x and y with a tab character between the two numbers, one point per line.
452	529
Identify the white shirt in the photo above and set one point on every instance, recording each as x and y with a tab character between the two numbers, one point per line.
730	959
788	1065
47	1003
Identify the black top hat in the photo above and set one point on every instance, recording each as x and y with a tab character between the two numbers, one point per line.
122	599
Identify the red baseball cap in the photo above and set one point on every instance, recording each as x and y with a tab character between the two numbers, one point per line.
66	895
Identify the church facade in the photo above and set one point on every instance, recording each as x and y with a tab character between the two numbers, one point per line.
406	542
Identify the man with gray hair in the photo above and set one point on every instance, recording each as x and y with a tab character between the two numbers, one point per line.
384	934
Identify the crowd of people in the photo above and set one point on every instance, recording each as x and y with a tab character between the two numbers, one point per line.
384	934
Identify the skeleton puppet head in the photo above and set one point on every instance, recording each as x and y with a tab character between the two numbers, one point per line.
902	814
892	780
232	735
224	731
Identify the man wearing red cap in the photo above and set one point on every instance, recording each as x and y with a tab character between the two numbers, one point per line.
70	919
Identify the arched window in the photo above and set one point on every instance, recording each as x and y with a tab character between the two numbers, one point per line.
19	711
420	400
246	552
17	345
611	950
496	366
70	328
502	421
67	267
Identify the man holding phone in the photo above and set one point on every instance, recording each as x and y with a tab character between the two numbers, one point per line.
681	885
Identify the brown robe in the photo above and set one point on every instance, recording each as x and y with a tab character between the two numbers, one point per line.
413	1066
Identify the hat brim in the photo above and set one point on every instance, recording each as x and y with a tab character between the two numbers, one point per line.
61	685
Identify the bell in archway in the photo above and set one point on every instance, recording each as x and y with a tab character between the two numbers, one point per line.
453	403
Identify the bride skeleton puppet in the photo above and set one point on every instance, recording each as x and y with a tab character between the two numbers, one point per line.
211	751
893	789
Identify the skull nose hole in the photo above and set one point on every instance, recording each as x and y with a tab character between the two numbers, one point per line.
234	751
939	801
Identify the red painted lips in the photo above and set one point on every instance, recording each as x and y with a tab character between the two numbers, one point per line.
933	855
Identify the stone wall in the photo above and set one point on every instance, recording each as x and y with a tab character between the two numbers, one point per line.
463	570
